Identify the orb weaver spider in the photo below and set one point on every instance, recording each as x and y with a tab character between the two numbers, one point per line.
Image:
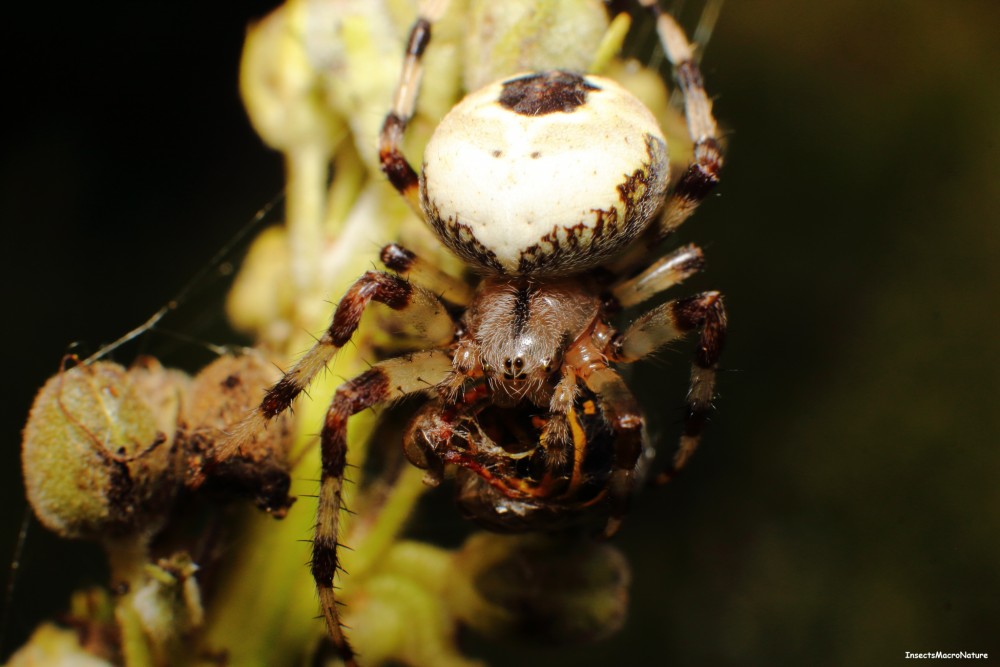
553	187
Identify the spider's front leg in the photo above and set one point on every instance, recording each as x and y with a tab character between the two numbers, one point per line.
556	438
704	312
387	381
624	415
412	267
414	305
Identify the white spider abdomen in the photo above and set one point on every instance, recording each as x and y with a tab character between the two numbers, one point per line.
547	173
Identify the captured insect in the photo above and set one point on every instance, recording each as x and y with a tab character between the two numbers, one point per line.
553	188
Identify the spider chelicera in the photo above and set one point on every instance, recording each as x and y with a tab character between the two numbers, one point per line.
552	186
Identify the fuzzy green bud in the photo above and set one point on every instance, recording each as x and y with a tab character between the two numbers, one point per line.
98	460
506	38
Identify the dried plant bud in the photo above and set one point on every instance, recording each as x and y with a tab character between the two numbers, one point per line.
221	396
552	590
97	459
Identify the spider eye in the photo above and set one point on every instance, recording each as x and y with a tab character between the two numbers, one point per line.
519	363
507	363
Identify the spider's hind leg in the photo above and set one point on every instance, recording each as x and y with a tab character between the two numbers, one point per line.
704	312
702	175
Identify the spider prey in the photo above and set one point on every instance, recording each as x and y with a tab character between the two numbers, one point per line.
552	186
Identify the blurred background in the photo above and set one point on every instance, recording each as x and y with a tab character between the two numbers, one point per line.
844	508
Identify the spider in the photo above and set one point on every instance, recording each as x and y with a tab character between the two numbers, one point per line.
552	187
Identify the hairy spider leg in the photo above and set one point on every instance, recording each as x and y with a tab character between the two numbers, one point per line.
424	313
396	167
661	275
556	437
702	174
384	382
415	306
624	415
704	312
408	265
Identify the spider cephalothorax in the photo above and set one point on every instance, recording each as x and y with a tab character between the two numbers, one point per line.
552	186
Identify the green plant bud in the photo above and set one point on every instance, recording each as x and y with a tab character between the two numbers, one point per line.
260	301
546	589
506	38
98	460
222	395
280	88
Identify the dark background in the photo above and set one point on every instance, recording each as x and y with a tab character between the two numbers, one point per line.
845	506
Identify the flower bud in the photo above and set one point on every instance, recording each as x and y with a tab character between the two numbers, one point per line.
507	38
221	396
280	88
98	461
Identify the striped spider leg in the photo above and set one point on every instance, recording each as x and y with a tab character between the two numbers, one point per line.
704	313
702	175
416	373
